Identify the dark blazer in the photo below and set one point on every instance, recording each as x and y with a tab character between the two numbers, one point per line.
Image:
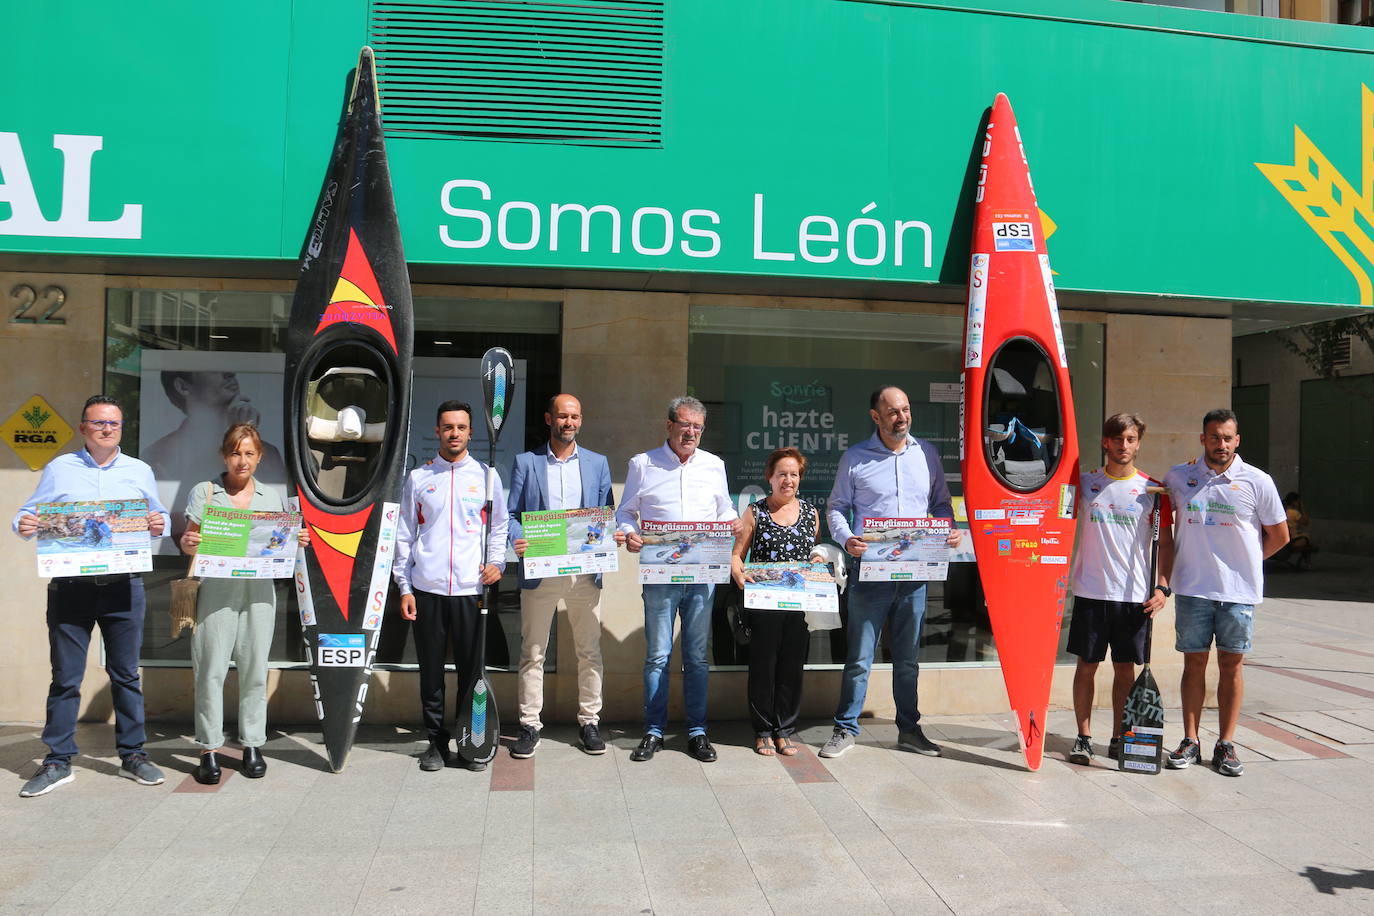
529	490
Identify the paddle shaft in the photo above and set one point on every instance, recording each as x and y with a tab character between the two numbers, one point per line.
1154	568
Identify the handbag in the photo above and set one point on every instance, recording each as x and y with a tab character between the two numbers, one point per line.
186	593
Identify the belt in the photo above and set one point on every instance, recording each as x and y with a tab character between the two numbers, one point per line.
111	579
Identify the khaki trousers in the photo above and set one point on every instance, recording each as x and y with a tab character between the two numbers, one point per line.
537	606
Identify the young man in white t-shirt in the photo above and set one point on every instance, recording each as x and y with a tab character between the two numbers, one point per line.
1229	518
1113	597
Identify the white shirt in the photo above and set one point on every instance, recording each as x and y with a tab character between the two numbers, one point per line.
1113	558
660	487
439	539
565	481
1218	552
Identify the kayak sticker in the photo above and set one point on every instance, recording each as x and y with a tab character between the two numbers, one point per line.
1019	236
1045	273
1067	495
342	650
977	309
981	514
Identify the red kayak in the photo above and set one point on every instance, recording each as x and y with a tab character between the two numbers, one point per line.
1018	450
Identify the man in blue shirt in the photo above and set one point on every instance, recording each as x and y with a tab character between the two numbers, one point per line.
889	475
77	604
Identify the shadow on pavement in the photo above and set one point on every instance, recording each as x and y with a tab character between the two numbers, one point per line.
1328	882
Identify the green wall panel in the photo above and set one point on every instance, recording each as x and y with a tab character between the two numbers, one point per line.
1143	126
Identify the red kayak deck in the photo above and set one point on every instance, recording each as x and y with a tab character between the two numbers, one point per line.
1018	448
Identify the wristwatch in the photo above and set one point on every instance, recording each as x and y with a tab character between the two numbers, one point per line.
1165	589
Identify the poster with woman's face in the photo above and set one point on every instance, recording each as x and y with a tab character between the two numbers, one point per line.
188	400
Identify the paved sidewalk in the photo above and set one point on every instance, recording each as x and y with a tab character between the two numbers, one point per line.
876	830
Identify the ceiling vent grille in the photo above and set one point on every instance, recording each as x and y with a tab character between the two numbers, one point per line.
578	71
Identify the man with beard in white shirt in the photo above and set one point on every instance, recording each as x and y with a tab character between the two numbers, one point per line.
1229	518
676	482
439	567
1113	598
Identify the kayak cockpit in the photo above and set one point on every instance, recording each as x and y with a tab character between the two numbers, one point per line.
1023	437
347	409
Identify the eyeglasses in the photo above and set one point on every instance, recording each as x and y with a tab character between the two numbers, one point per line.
688	427
104	424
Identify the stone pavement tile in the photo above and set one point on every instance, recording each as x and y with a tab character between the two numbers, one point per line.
1293	846
101	888
1199	788
1060	854
841	812
809	874
1133	790
504	882
589	877
865	764
1176	848
509	822
178	876
1068	790
971	874
233	820
336	823
317	882
577	815
898	804
1132	898
983	794
447	804
695	879
738	765
1349	824
441	877
669	767
690	813
891	875
1273	896
162	825
1253	744
560	764
32	881
761	811
1326	726
1347	780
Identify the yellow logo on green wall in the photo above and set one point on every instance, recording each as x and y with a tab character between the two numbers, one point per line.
36	432
1328	202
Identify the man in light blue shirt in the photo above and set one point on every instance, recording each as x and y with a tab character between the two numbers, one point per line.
77	604
889	475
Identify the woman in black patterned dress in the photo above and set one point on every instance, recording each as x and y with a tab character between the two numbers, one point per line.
779	528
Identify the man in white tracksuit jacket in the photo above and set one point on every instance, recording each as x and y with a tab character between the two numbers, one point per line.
439	568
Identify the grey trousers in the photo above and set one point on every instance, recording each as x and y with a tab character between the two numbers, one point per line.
234	622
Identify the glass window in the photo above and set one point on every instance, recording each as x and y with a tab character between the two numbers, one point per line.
774	377
188	363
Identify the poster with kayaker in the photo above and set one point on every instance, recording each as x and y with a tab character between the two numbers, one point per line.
685	553
806	587
903	549
95	538
243	544
570	542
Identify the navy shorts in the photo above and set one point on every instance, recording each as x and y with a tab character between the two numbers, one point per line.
1099	624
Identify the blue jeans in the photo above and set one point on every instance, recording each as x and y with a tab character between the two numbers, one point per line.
1197	620
75	607
661	604
899	608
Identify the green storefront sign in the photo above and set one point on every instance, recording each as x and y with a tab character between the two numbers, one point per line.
800	138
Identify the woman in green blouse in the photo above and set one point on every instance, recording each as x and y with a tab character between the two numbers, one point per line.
234	617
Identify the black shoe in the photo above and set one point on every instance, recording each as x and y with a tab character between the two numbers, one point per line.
207	773
917	742
525	742
649	745
591	740
254	767
700	748
434	758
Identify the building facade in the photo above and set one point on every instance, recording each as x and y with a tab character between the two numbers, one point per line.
766	204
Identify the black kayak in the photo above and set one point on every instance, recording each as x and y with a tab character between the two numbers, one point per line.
348	378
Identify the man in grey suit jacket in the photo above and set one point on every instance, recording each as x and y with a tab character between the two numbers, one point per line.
559	474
